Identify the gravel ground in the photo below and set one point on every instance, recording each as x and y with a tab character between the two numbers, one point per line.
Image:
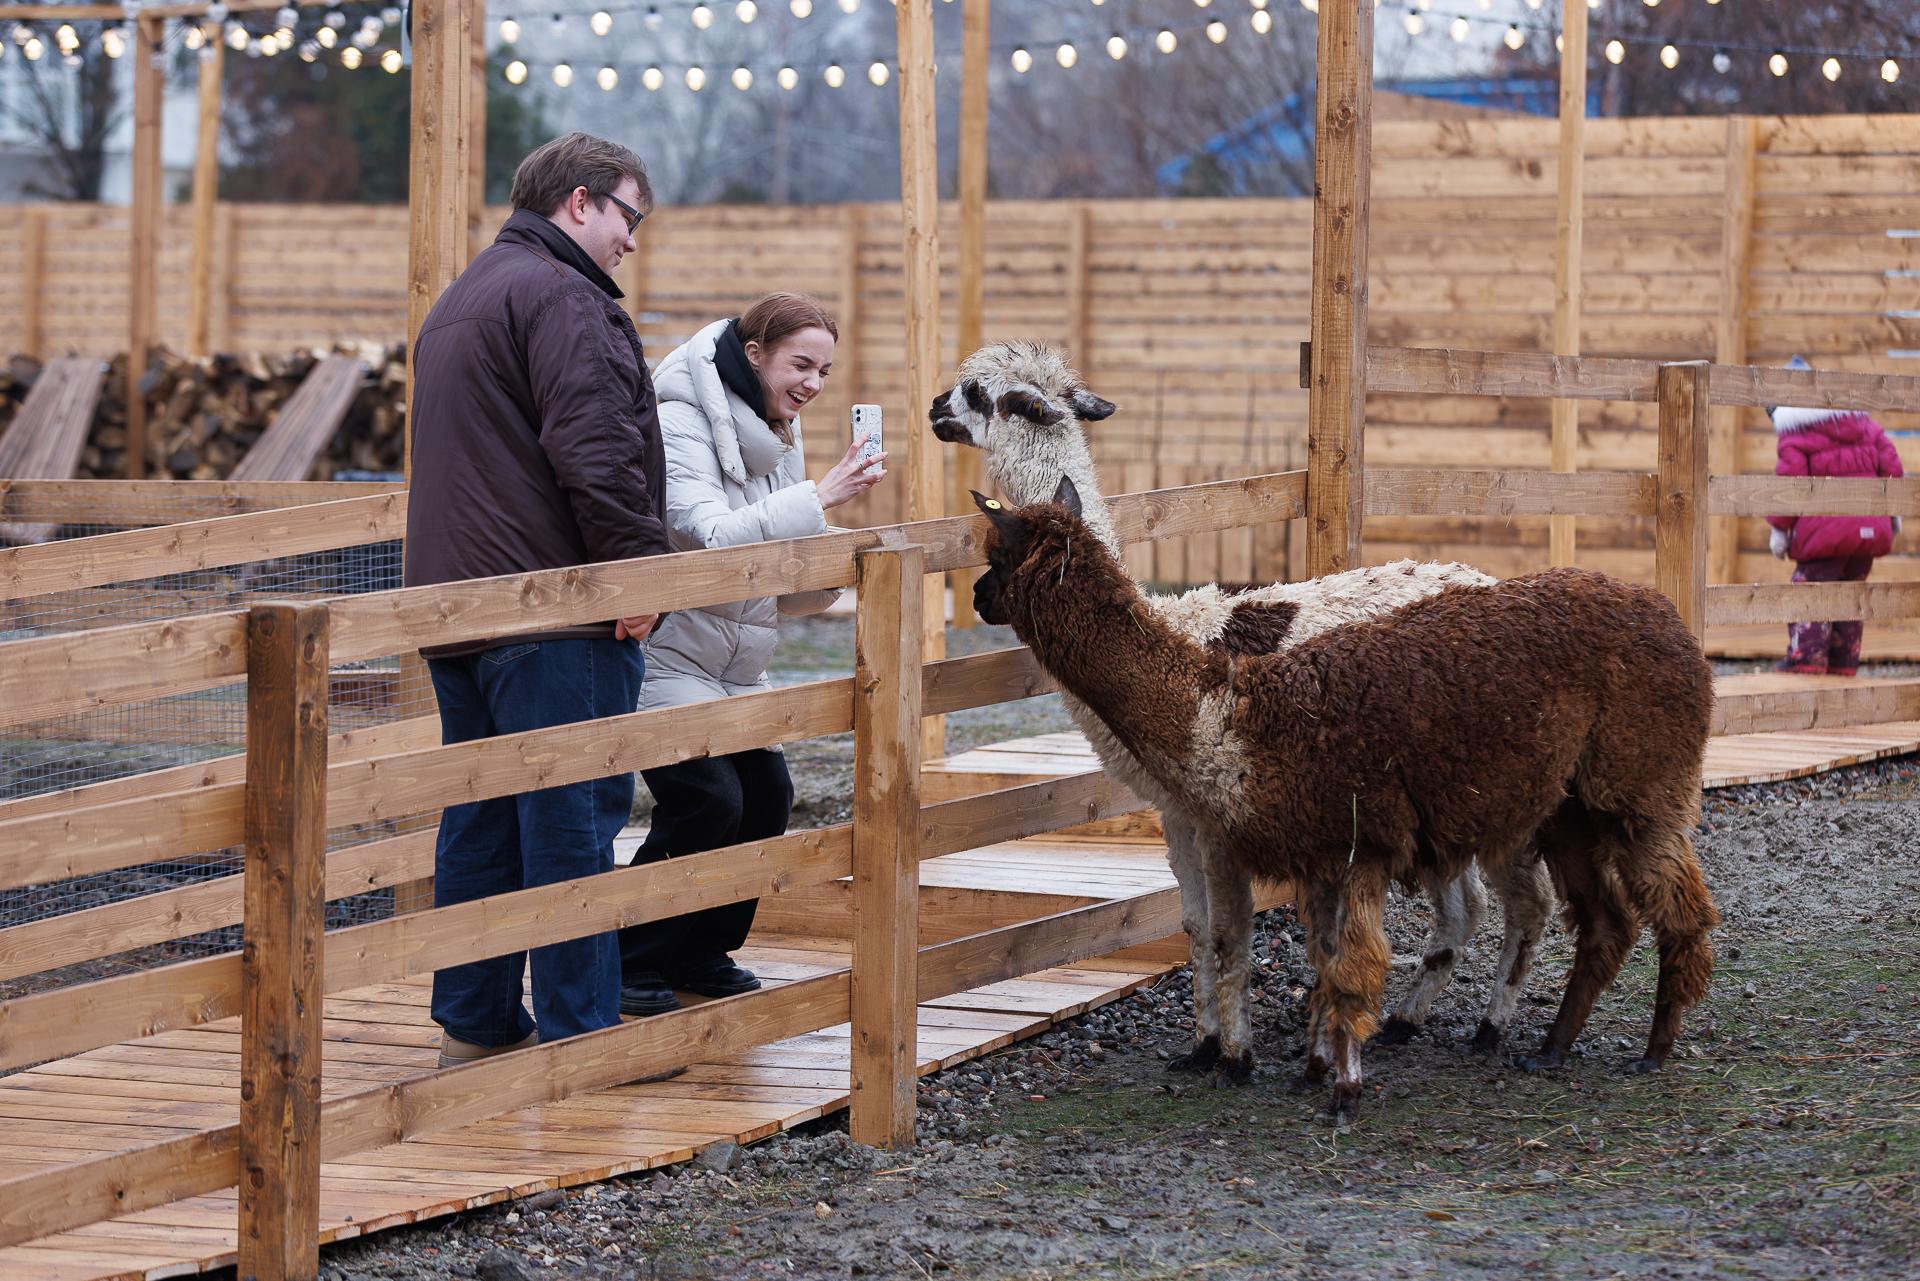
1779	1143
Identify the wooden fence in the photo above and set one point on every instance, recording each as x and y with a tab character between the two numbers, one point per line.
296	782
1187	313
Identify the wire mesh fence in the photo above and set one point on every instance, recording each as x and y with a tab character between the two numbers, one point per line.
188	733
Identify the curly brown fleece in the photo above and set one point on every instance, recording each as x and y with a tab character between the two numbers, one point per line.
1564	712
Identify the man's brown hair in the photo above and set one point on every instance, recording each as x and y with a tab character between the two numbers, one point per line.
552	170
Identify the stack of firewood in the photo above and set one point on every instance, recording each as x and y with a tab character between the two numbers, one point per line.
204	413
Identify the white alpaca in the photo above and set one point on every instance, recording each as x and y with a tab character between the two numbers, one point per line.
1024	406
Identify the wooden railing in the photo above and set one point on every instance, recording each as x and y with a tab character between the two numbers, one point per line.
296	782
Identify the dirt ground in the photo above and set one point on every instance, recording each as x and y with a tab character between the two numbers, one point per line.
1781	1141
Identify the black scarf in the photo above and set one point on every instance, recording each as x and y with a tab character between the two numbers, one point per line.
525	225
737	372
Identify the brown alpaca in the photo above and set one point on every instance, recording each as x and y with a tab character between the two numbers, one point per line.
1565	712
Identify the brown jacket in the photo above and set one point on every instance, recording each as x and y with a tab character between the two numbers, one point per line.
536	443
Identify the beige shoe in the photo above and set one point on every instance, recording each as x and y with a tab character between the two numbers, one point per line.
454	1052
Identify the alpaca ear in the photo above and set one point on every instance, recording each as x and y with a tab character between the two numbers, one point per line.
994	510
1089	408
1035	408
1068	496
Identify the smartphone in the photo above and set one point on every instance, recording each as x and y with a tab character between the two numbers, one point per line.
866	430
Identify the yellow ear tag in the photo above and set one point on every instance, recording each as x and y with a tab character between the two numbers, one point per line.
993	504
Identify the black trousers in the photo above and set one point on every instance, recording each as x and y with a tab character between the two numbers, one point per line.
705	805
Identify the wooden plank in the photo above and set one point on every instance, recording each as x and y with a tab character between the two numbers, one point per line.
966	467
49	432
198	545
163	502
206	192
59	675
145	212
1569	232
33	274
1343	132
443	91
1730	331
285	921
1812	702
1680	531
1409	491
1813	496
886	846
1793	602
305	423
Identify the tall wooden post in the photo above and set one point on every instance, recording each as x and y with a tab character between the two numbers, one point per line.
206	192
33	281
477	135
1680	520
886	844
440	179
1337	396
1730	334
1569	228
920	227
143	220
284	928
968	466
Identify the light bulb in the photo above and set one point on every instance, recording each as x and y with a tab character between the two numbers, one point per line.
1721	62
1514	38
1889	71
652	78
509	30
391	15
309	51
607	78
236	37
1116	47
600	23
66	37
1311	6
33	48
742	79
327	37
746	11
878	73
849	6
562	74
288	16
1777	64
1262	21
1066	55
389	61
334	18
350	57
1669	56
834	75
696	78
1533	4
1166	41
113	44
653	18
1616	52
1459	29
1216	31
1415	24
194	38
787	78
217	12
1022	61
1830	69
702	17
801	8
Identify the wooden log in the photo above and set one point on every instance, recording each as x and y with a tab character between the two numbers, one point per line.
285	921
1336	405
438	182
1569	233
1730	329
1680	528
886	845
966	467
206	192
144	215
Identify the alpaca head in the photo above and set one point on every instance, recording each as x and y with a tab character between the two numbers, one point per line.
1016	537
1026	384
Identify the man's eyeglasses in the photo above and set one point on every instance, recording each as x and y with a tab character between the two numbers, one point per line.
633	215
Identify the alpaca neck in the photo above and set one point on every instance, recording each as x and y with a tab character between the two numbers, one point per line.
1026	466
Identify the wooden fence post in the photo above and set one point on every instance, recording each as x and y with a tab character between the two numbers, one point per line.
1569	232
1730	333
206	192
966	468
1680	523
1342	181
144	213
280	958
886	843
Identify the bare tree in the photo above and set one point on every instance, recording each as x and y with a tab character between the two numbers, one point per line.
71	113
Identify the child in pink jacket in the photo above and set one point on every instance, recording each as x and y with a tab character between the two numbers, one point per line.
1827	549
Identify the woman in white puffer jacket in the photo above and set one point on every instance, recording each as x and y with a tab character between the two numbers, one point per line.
730	400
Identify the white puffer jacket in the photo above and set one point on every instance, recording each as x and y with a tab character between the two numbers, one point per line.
730	481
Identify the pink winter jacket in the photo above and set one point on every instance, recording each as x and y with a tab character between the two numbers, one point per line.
1833	442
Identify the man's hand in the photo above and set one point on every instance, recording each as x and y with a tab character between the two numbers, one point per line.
635	628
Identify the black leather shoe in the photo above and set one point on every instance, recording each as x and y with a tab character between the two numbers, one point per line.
716	976
647	994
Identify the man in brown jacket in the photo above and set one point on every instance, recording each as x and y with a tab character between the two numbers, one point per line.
536	446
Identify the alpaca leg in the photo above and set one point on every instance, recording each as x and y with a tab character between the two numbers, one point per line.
1186	858
1663	879
1348	946
1604	928
1230	916
1526	896
1458	905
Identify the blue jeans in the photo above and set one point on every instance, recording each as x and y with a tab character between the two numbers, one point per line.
536	838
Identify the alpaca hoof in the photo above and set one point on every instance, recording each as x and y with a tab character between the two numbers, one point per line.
1487	1039
1234	1069
1395	1031
1544	1061
1640	1067
1345	1105
1200	1058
